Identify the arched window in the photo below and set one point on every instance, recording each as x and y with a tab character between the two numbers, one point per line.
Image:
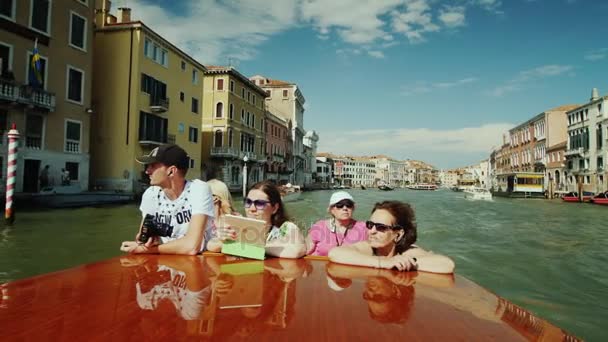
242	115
230	137
253	120
218	138
219	110
248	118
231	111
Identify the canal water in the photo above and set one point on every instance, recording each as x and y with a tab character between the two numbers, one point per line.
547	256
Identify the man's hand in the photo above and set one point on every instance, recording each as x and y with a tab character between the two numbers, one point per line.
133	247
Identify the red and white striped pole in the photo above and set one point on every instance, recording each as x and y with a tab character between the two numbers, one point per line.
11	174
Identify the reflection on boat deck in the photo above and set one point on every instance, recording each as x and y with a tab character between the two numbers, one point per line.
213	296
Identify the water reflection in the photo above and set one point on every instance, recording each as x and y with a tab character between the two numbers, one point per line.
219	296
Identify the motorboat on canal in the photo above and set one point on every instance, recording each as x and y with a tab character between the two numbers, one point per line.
422	186
72	196
290	193
476	193
212	296
601	198
573	197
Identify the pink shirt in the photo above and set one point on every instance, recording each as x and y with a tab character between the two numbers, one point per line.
324	239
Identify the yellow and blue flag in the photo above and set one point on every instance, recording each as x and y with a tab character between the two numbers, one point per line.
35	77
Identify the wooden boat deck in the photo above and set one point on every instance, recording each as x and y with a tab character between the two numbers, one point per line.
152	297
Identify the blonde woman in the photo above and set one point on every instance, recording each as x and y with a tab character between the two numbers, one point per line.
222	204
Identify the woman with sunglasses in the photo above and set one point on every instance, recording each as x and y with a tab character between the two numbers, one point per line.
340	229
222	204
263	202
390	243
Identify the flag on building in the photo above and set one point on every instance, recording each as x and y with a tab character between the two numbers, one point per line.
35	76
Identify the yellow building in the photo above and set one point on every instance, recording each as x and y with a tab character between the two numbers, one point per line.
52	111
147	92
233	126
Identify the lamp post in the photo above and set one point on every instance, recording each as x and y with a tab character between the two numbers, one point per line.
245	160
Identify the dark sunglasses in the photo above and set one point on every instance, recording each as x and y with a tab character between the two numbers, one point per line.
259	204
380	227
347	204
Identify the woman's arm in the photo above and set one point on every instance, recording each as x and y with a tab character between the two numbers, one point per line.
359	254
431	262
292	245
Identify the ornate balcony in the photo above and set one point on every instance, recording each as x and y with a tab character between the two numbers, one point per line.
577	152
13	92
224	152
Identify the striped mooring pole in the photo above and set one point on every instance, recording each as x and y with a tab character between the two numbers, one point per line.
11	174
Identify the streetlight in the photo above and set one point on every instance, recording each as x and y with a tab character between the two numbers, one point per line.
245	160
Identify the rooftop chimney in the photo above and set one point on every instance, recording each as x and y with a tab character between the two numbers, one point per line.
124	14
594	94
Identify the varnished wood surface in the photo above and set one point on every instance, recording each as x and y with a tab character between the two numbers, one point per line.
177	298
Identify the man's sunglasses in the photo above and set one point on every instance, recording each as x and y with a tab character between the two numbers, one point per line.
342	204
259	204
381	227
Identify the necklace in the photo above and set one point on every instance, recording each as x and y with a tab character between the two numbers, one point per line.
335	231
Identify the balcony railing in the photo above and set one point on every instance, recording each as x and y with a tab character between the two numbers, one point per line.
250	155
72	146
27	95
152	138
36	97
224	152
278	158
8	90
159	105
577	152
33	142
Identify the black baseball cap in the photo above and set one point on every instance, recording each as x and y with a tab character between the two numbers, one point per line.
168	154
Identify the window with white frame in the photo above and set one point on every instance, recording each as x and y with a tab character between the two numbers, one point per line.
155	52
193	134
78	31
194	76
219	110
231	111
40	16
75	85
7	9
6	59
232	86
73	131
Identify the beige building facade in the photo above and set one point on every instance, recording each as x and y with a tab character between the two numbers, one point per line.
233	126
147	92
52	113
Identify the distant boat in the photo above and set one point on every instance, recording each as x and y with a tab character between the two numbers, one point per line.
423	186
363	187
71	196
601	198
475	193
385	187
290	193
573	197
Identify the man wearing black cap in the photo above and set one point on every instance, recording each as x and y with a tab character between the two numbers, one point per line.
182	209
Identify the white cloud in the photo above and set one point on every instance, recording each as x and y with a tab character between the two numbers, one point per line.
489	5
452	16
376	53
523	78
426	87
416	142
200	26
597	55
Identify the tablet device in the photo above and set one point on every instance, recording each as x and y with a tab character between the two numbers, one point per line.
250	237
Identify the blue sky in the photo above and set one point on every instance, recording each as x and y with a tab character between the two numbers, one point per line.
433	80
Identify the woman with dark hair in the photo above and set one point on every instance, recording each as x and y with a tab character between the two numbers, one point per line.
390	243
285	240
263	202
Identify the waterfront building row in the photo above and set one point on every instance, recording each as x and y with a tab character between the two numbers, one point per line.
355	171
113	89
565	145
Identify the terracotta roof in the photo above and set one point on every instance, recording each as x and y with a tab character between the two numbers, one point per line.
558	146
215	69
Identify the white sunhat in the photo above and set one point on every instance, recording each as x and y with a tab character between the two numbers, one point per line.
339	196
